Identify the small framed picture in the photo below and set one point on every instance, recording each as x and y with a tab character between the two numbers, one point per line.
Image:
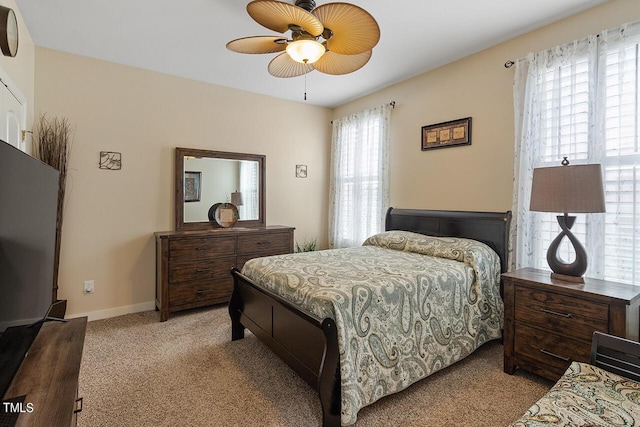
447	134
192	186
110	160
301	171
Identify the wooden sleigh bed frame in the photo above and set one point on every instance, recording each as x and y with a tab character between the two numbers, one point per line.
308	344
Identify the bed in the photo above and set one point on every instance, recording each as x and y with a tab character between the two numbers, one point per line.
360	323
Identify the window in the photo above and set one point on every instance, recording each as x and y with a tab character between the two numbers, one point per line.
359	176
582	100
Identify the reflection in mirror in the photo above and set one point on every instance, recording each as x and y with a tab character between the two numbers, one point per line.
221	181
206	178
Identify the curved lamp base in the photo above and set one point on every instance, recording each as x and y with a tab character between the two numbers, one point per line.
574	271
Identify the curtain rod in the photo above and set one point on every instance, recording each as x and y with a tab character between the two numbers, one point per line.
511	63
392	104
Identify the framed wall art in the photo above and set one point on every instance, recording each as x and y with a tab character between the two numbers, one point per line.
110	160
192	186
447	134
301	171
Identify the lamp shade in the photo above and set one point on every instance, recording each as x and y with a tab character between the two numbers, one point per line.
236	198
564	189
305	51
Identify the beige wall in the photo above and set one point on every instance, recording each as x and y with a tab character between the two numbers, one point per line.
110	216
20	69
476	177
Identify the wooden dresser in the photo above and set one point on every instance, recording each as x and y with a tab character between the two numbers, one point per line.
193	267
549	323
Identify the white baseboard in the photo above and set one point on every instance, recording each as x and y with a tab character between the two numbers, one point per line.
114	312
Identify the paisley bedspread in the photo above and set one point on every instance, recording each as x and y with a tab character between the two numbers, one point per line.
405	305
586	396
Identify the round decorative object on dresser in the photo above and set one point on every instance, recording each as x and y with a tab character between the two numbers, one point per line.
8	32
226	214
212	211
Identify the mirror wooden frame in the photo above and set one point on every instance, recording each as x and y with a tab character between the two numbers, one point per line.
181	153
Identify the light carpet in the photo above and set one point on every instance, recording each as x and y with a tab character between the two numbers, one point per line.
137	371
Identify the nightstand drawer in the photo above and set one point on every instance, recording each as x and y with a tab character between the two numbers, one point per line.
213	268
553	352
574	317
199	248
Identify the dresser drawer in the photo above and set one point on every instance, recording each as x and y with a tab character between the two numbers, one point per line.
199	270
197	248
200	293
575	317
267	244
555	352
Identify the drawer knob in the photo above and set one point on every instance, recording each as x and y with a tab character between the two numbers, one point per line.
555	313
205	291
548	353
202	270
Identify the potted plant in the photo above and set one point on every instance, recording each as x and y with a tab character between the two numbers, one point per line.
306	246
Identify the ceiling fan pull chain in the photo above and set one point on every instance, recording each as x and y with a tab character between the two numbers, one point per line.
305	87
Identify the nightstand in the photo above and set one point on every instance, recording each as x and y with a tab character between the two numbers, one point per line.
549	323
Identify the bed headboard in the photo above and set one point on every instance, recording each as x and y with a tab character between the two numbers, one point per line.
491	228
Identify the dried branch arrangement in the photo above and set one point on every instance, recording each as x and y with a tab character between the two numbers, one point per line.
52	145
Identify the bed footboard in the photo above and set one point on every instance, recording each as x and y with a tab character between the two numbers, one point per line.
308	344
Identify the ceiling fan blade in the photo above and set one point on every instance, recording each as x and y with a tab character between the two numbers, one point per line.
334	63
257	44
354	29
277	15
283	66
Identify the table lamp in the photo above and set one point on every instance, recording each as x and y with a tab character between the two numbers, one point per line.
567	189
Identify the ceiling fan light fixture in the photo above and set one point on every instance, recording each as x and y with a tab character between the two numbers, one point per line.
305	51
334	38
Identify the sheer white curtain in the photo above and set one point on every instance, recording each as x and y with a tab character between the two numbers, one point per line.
581	100
249	185
359	182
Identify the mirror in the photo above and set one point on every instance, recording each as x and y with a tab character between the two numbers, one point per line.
205	178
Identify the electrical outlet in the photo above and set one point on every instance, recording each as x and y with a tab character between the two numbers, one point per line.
88	286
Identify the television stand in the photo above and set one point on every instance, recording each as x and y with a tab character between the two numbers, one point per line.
14	344
48	375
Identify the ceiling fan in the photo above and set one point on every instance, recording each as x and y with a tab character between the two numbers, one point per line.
334	38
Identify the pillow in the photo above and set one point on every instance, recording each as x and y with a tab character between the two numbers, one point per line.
484	260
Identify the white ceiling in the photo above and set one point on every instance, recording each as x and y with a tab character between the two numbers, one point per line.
187	38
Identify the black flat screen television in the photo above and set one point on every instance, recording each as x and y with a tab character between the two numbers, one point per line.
28	212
